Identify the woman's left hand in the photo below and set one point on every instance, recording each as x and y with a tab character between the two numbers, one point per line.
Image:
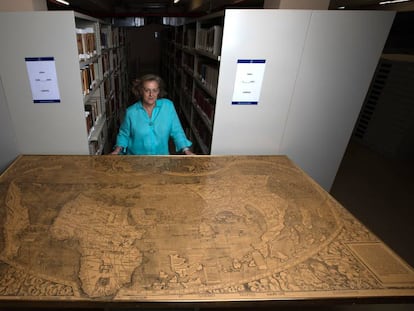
188	152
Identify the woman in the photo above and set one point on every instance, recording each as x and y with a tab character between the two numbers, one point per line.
150	122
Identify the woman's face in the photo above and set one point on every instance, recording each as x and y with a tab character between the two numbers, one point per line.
150	91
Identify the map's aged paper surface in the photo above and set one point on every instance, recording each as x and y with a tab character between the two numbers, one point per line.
198	228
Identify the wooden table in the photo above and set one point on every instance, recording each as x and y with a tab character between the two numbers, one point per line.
195	229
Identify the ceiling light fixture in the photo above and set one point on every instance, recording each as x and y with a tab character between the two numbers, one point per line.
176	1
392	1
63	2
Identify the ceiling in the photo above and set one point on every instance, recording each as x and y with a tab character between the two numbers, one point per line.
368	5
188	8
135	8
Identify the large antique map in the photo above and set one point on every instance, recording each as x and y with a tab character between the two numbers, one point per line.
198	228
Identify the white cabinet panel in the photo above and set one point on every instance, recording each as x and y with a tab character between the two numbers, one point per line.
63	127
43	128
278	37
340	56
318	68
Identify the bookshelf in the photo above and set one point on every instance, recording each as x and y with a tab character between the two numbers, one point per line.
385	121
191	66
89	61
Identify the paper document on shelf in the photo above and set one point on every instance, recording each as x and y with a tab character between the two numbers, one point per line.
43	79
249	79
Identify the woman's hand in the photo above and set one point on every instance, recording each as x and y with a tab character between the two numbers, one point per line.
188	152
117	150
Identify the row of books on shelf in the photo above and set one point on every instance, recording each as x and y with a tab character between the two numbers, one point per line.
208	75
110	106
118	37
209	39
104	40
98	138
96	146
89	74
112	38
92	112
86	42
186	107
115	60
205	102
187	83
188	61
107	88
115	56
89	81
178	36
190	38
89	122
178	58
105	62
193	133
117	86
203	131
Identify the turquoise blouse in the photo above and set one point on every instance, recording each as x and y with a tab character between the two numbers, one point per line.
140	134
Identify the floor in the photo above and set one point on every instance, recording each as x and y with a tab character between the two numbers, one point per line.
379	191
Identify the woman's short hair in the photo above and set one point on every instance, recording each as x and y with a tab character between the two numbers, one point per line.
138	85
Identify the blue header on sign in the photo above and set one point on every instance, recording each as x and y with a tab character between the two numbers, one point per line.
37	59
40	101
251	61
244	103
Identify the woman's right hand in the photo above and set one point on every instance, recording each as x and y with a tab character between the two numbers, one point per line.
117	150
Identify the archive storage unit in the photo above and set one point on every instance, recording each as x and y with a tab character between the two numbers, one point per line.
312	70
81	59
191	61
385	123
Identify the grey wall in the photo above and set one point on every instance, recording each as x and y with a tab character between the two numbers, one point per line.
144	50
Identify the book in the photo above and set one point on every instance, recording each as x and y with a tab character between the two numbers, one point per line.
210	39
86	42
